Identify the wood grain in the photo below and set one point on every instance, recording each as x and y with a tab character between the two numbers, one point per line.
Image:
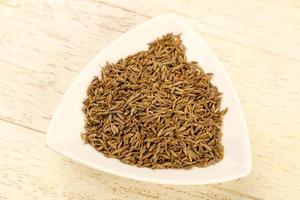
44	45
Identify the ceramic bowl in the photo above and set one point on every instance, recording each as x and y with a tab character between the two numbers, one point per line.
67	124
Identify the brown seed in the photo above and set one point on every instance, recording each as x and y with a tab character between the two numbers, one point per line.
114	129
155	109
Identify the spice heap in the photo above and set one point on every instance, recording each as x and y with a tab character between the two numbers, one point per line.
155	109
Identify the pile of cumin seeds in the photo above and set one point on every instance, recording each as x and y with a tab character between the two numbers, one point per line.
155	109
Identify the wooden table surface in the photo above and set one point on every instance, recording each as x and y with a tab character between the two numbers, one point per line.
44	45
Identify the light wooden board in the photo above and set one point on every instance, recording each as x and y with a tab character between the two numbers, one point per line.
44	45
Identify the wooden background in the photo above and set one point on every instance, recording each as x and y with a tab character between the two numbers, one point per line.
44	45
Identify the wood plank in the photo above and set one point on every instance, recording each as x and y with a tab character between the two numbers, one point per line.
51	79
32	171
44	45
258	24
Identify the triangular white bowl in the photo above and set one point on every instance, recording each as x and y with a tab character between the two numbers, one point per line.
64	132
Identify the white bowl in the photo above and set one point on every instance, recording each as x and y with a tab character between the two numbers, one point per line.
64	132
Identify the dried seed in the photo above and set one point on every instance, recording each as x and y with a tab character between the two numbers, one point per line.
114	129
155	109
